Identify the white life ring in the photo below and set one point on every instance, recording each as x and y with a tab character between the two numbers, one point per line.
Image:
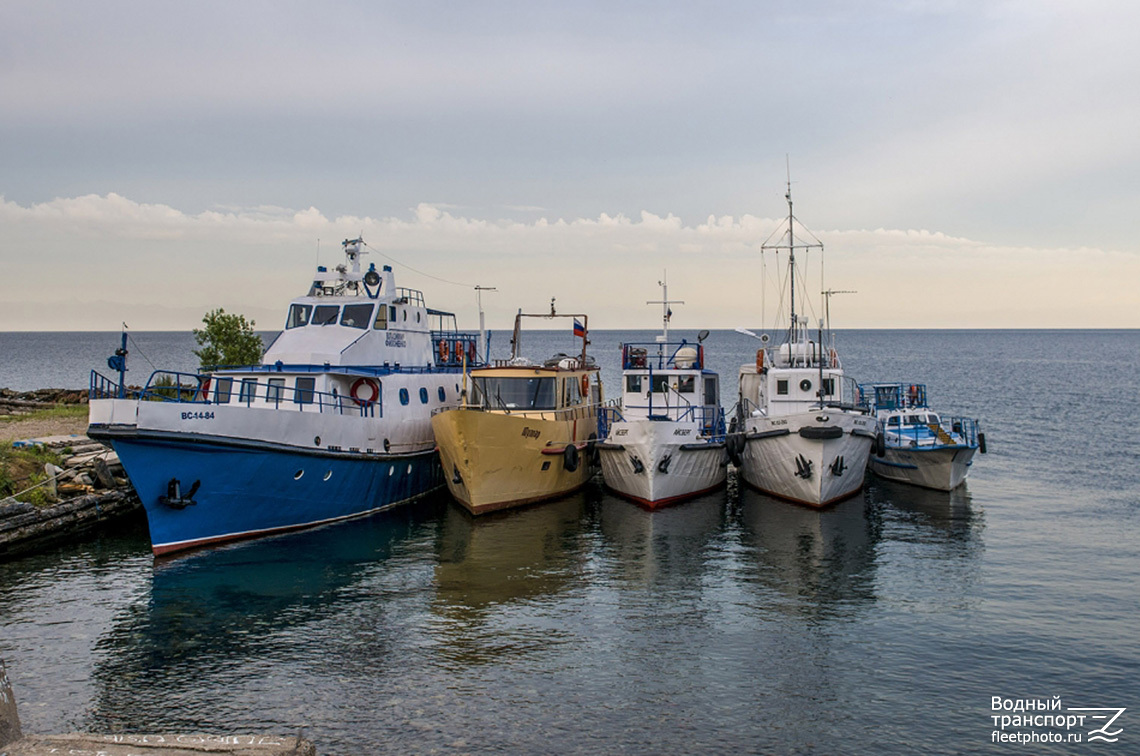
373	391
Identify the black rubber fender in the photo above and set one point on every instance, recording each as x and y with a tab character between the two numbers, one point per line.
570	458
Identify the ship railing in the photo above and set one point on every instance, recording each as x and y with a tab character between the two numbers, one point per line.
456	348
709	418
641	356
102	387
962	431
214	390
891	396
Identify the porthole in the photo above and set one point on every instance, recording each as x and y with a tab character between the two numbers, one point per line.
387	445
423	395
805	385
328	475
316	440
404	396
297	475
442	394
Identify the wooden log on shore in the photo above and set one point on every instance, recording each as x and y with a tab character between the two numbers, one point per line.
25	528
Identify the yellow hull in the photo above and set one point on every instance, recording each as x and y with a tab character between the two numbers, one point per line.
495	460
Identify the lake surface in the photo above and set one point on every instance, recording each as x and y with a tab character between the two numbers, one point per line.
732	623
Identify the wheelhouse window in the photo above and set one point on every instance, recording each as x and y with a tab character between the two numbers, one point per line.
893	420
325	314
828	386
304	391
686	384
299	315
248	390
381	322
659	384
274	390
223	388
531	393
633	384
356	315
710	391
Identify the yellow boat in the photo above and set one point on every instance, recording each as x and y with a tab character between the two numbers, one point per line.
524	431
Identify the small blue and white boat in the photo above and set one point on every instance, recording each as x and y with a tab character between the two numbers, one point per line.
335	422
916	445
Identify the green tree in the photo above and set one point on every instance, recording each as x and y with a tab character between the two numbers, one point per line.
227	340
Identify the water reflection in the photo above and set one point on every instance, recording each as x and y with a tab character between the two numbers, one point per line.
496	575
945	516
217	614
822	562
666	547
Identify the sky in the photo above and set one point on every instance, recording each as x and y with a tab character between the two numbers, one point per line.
965	164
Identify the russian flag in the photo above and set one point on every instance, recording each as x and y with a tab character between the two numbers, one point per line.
579	329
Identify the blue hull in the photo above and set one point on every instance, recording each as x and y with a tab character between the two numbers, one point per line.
248	492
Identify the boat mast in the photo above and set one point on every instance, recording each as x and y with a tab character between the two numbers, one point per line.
791	246
666	311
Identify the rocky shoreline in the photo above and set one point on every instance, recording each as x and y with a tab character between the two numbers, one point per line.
86	491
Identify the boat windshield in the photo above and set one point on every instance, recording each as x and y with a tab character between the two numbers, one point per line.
299	315
530	393
325	315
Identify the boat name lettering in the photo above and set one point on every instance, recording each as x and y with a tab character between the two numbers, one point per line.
530	433
682	431
197	415
778	422
395	339
621	431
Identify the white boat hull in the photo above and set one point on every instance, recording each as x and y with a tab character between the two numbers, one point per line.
942	469
657	463
814	458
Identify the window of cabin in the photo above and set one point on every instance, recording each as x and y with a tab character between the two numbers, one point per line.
248	390
710	390
633	384
304	392
381	321
686	384
423	395
274	390
324	315
828	386
893	420
298	316
516	393
404	399
442	394
356	315
223	387
782	387
659	384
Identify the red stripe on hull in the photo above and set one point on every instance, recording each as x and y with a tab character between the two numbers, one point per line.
801	502
661	503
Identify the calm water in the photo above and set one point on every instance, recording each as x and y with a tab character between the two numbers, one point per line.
587	625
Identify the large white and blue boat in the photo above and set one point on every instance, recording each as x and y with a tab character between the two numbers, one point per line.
335	422
914	443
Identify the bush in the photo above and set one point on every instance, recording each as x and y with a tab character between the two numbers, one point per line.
227	340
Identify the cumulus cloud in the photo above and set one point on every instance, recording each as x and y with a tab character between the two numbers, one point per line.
165	267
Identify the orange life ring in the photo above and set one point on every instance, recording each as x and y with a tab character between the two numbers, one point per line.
759	359
204	391
444	351
586	385
471	351
373	389
834	358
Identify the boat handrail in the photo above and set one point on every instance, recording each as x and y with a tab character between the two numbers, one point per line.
710	419
200	389
964	428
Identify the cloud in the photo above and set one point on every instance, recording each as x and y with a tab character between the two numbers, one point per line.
165	267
